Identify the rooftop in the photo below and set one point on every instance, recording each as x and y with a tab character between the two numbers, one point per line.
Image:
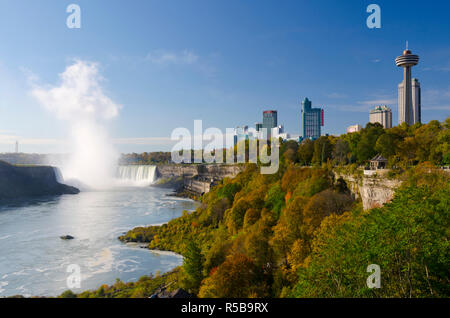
380	108
379	158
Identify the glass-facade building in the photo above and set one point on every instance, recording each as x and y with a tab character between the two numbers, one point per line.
270	120
311	121
258	126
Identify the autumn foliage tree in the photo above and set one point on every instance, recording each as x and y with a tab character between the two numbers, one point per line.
237	277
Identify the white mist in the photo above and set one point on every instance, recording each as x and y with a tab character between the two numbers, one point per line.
80	102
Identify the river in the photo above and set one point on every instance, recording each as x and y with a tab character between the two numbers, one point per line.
34	260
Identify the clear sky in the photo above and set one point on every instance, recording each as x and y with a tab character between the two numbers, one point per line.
171	62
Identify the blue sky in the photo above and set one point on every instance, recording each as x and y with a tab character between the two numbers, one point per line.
171	62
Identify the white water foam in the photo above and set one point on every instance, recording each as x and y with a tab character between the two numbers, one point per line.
136	175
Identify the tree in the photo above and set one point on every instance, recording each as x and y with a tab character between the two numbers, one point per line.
237	277
219	250
275	199
352	140
235	216
427	142
251	217
68	294
289	228
386	145
340	152
318	182
443	147
289	150
322	150
305	152
256	244
229	190
193	266
322	205
366	146
407	150
217	209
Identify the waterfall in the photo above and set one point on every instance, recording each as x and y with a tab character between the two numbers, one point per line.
58	175
136	175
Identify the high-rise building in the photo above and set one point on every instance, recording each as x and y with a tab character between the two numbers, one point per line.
354	128
406	112
311	121
381	114
416	101
258	126
270	120
416	110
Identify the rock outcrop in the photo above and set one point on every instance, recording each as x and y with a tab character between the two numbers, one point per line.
211	171
196	178
30	181
66	237
374	190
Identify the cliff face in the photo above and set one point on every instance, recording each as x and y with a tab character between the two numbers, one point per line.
26	181
197	178
374	191
211	171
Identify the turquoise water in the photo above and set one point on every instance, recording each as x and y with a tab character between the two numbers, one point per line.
34	260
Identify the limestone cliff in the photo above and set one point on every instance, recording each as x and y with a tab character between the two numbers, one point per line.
374	190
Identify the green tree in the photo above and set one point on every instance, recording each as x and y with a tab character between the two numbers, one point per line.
366	146
193	266
68	294
427	142
341	151
386	145
322	150
305	152
275	199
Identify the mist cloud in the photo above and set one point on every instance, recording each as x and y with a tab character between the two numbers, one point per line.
80	101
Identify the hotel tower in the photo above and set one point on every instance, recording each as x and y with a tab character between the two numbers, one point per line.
409	106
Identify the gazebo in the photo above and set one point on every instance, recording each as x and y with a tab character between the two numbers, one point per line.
378	162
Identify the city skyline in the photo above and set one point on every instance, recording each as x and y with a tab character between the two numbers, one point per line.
225	74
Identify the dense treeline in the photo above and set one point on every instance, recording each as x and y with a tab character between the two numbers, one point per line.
145	158
402	145
299	233
33	158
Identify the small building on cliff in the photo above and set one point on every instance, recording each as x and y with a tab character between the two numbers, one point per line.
378	162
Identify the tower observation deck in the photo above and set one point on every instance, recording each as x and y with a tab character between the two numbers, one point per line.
405	105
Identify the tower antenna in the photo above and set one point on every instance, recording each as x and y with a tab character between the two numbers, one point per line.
406	44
